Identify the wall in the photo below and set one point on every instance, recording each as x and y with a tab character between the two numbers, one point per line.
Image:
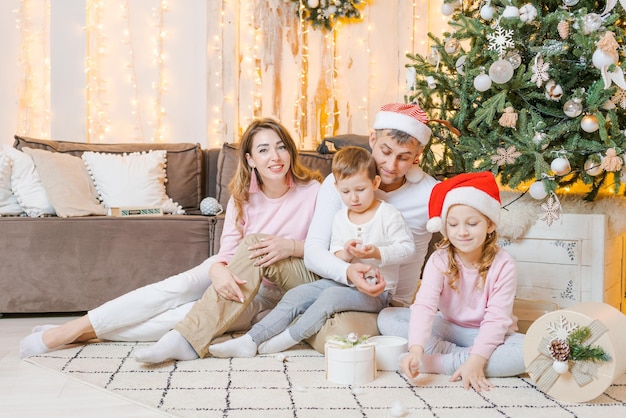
197	70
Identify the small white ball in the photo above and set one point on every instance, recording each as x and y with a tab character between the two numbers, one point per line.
560	366
602	59
397	410
487	12
593	168
589	123
560	166
482	82
510	12
537	191
447	9
501	71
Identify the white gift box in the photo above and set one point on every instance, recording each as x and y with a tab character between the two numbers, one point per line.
354	365
388	351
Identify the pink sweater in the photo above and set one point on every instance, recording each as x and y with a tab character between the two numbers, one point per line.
490	308
288	216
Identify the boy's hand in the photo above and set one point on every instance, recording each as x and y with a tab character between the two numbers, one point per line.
366	251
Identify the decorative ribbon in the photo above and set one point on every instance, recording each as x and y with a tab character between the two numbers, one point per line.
582	371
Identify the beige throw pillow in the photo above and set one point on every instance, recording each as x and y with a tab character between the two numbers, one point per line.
68	185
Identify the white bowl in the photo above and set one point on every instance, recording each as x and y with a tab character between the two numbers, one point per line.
388	351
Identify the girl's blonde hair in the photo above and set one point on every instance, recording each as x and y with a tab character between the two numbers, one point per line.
490	248
240	184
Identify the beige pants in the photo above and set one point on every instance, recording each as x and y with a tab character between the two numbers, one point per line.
212	315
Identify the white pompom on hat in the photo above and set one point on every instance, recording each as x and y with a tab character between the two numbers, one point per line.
477	190
405	117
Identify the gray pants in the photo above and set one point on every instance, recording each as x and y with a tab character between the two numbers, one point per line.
314	303
455	342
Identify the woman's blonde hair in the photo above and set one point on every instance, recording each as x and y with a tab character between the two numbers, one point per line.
490	248
240	184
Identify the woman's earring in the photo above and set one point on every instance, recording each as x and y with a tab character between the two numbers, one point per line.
254	182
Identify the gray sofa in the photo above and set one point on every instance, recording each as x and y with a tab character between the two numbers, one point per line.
53	264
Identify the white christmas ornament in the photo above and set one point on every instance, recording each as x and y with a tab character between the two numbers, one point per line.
501	71
452	46
601	59
593	168
433	58
514	58
482	82
570	3
313	3
527	13
510	12
540	140
430	80
537	191
560	166
572	108
460	64
487	11
589	123
591	23
210	206
447	9
553	91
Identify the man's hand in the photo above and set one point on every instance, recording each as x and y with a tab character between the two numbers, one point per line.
356	275
472	372
225	283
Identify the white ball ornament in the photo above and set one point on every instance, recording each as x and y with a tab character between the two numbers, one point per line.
313	3
602	59
572	108
527	13
447	9
593	168
460	64
591	23
487	12
510	12
452	46
560	166
540	140
560	366
501	71
210	206
514	58
537	191
482	82
589	123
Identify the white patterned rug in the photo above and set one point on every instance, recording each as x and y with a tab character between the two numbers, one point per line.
295	386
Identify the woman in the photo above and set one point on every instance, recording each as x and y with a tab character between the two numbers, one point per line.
272	193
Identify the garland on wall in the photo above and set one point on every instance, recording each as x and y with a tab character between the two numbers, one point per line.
324	13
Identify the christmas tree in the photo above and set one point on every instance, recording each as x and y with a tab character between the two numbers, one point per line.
534	92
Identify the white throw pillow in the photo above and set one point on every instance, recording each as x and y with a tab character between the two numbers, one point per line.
26	185
8	202
136	179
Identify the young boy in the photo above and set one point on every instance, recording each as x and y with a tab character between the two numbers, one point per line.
367	230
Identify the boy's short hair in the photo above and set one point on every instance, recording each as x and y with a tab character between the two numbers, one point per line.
351	160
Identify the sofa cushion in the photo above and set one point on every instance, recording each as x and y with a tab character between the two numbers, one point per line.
8	202
26	185
184	163
67	183
136	179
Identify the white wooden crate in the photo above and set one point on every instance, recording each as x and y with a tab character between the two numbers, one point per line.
573	260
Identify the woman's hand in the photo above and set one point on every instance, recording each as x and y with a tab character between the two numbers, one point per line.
271	249
410	363
472	372
225	283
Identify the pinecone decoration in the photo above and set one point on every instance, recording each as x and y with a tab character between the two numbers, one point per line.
563	28
559	350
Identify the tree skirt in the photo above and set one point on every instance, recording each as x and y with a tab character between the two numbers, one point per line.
293	384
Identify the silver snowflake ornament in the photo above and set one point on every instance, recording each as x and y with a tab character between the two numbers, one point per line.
500	40
505	156
561	328
551	210
540	71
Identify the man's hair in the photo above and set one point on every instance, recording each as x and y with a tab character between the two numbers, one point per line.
351	160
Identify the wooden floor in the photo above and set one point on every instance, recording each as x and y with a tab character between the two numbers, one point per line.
27	390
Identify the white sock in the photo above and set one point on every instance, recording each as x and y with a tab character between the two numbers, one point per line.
277	343
33	345
43	328
171	346
237	347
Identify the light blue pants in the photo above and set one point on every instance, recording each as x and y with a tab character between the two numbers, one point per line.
455	342
314	302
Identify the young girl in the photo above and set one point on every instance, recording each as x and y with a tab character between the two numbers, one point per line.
367	230
272	193
461	322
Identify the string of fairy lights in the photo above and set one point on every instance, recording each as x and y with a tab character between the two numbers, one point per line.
319	102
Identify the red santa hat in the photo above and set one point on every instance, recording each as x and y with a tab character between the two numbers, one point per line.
409	118
477	190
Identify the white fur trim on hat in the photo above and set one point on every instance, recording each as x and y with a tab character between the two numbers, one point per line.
434	224
405	123
473	197
415	174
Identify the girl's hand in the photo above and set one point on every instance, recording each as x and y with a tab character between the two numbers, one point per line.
472	372
271	249
225	283
410	362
